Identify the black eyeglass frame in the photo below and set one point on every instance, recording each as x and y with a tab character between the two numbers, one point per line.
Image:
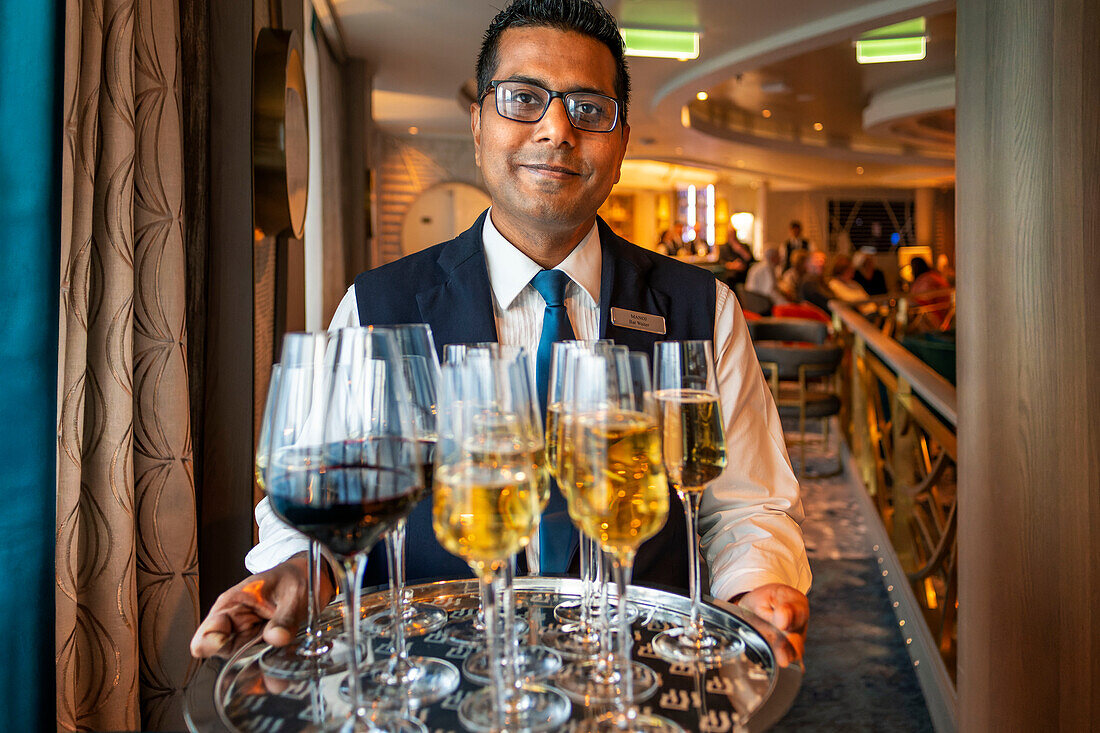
492	89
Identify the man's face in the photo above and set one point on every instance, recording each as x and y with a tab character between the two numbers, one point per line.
796	232
548	176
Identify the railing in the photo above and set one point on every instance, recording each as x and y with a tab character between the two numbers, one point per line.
899	419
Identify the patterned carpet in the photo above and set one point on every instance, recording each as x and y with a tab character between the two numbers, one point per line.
858	674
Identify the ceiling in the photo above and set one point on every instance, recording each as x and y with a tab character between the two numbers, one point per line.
881	125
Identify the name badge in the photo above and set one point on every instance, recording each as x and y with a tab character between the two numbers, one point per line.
638	321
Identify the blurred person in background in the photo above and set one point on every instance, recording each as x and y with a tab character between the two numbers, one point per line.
790	284
869	277
795	243
762	277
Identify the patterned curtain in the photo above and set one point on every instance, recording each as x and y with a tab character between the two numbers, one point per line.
126	564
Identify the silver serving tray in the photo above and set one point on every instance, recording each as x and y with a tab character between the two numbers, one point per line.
231	694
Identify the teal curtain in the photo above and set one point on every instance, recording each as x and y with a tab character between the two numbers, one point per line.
31	40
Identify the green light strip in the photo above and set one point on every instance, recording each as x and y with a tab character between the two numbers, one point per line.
885	50
661	44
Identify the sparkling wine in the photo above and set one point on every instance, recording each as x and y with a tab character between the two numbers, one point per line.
621	493
483	513
693	438
553	436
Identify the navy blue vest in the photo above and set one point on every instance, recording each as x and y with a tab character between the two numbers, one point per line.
447	287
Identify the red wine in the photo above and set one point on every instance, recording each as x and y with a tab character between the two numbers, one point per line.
350	500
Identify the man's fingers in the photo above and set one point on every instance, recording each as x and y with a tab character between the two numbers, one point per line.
210	636
288	611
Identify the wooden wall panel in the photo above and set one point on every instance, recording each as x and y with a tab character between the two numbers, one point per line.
1028	263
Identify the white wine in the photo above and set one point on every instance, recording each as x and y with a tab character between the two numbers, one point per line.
693	438
621	493
553	438
483	514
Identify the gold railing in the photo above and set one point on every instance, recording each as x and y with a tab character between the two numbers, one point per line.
899	419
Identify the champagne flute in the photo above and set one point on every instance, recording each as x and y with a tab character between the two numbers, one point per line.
621	492
421	363
695	454
484	510
606	379
311	657
402	679
519	433
347	472
473	631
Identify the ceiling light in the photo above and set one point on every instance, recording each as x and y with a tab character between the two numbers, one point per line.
701	96
859	170
767	113
905	41
414	130
818	126
660	43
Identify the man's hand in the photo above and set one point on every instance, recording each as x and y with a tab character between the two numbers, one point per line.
785	608
274	600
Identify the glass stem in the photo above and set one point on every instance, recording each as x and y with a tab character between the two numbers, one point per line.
691	500
313	569
508	609
627	712
588	549
353	586
500	671
605	664
395	551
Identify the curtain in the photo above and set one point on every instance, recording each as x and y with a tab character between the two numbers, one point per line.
30	178
126	568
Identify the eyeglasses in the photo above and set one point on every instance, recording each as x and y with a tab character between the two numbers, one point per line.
525	102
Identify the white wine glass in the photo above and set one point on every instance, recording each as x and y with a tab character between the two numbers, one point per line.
621	494
694	446
485	509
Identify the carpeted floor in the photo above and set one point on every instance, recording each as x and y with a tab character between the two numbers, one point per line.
858	674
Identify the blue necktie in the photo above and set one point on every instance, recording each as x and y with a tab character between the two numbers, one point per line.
556	530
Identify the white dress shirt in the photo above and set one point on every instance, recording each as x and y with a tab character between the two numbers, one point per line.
750	515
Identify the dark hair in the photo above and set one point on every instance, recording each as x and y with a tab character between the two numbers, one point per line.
795	224
919	266
587	17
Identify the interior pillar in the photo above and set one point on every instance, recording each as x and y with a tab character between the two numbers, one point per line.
1028	265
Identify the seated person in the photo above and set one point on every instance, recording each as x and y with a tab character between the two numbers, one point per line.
928	280
869	277
790	284
736	258
813	287
843	284
761	277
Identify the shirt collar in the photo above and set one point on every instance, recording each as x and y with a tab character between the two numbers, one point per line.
510	270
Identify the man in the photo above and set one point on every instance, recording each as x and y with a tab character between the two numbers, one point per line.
550	133
794	243
736	258
813	287
763	279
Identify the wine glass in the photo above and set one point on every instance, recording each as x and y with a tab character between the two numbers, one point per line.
343	468
521	431
421	363
695	454
485	508
311	657
612	446
622	383
578	637
401	679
